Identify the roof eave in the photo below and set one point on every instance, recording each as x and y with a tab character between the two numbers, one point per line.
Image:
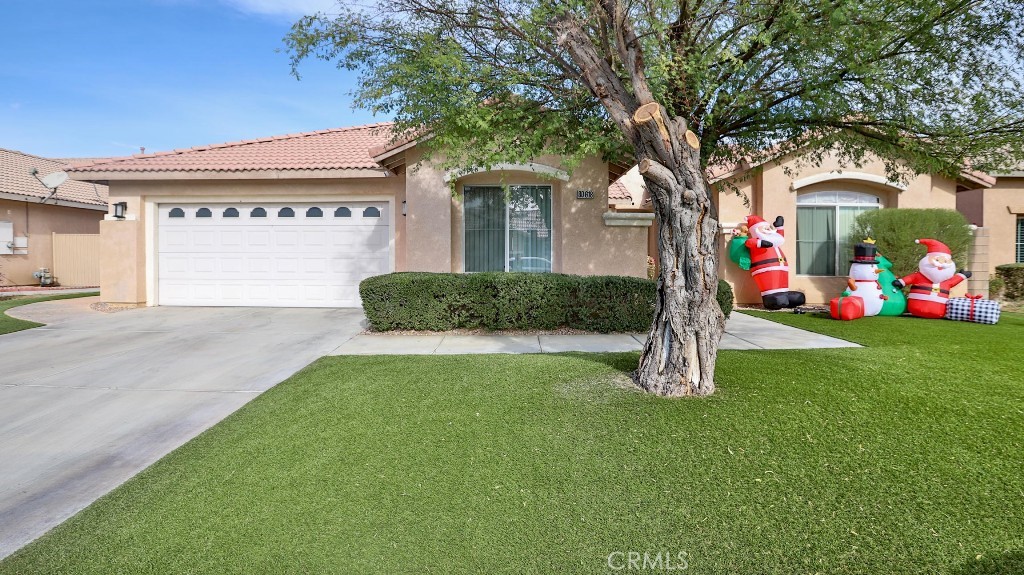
334	174
58	202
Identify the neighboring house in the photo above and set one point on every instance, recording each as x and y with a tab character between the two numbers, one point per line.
30	213
820	204
999	209
301	219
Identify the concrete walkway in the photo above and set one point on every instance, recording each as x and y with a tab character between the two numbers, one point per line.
92	398
742	332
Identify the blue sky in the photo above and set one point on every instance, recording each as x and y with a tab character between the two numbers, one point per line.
104	77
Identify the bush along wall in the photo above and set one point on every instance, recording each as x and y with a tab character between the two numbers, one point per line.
1013	280
895	229
441	302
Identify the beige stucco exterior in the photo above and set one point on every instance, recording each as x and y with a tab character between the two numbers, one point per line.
38	222
583	243
1004	203
427	238
773	190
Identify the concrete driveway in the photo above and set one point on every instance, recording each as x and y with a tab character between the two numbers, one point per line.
92	399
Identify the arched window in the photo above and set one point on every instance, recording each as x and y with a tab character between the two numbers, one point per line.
258	213
176	213
314	213
204	213
371	212
286	213
231	213
343	213
824	224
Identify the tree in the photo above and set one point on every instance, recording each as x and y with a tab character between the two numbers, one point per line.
679	85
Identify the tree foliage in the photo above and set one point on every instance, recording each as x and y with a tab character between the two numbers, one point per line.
923	84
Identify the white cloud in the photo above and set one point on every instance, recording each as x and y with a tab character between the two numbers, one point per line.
290	8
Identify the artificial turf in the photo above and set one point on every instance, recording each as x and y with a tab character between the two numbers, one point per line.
9	324
902	457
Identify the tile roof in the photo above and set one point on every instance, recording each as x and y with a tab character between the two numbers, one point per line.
333	149
16	179
629	191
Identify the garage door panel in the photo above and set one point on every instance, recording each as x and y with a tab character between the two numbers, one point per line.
300	261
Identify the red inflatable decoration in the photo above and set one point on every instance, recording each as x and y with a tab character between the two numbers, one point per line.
768	264
930	285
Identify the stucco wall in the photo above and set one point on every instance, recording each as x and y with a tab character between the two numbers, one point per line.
1000	203
583	244
429	219
123	262
121	281
38	222
770	193
971	203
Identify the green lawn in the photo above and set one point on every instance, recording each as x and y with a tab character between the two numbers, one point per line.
9	324
900	458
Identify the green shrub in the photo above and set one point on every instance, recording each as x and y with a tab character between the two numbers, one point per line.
995	287
441	302
895	229
612	303
1013	280
725	297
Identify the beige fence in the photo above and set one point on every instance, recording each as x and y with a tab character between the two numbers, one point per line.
76	259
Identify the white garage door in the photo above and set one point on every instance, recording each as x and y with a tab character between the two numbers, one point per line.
270	254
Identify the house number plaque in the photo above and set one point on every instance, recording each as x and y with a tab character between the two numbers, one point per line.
584	194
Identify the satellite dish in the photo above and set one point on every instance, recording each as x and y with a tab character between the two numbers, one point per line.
54	180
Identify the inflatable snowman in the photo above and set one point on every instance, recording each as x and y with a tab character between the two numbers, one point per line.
863	282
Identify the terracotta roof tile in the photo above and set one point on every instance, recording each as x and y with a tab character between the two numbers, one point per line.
335	149
617	191
16	179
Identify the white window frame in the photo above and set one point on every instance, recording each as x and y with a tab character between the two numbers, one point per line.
802	201
1019	244
508	234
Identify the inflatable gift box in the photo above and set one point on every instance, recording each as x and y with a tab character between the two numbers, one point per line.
973	308
846	307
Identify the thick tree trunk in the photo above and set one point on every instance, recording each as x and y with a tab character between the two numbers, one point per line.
679	356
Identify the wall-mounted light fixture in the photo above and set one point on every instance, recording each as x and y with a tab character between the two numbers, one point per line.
119	209
405	208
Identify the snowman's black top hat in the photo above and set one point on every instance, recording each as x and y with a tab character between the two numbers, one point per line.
864	254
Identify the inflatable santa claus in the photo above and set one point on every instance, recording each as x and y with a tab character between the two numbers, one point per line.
768	265
929	287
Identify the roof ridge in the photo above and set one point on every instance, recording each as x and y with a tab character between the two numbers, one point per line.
234	144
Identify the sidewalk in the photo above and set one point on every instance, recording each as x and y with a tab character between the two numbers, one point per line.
742	332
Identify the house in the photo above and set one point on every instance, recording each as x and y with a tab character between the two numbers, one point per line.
820	204
301	219
999	210
31	212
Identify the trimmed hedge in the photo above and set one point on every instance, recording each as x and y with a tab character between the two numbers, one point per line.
895	230
1013	280
441	302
